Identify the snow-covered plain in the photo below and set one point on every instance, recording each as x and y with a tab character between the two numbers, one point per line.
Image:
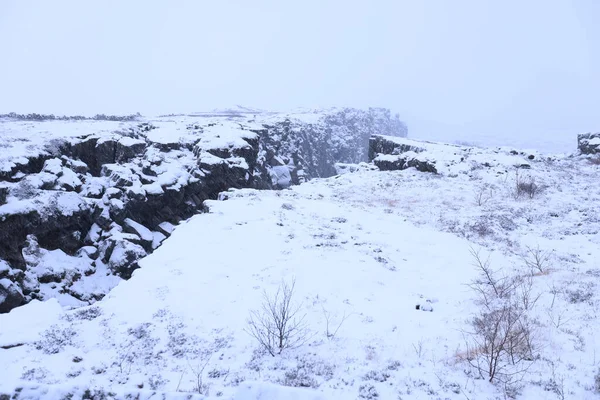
364	249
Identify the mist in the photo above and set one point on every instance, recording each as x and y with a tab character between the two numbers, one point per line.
460	70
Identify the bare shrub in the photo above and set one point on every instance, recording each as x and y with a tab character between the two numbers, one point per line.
525	186
331	325
279	324
198	371
488	285
581	294
483	194
501	343
536	259
55	339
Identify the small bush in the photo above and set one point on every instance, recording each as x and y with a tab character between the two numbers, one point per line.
526	187
299	378
55	339
580	295
536	259
279	324
87	314
501	343
378	376
35	374
367	392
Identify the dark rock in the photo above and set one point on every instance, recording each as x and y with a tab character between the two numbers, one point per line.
85	150
3	194
33	166
401	163
126	149
589	143
166	147
380	145
106	151
53	231
10	296
122	257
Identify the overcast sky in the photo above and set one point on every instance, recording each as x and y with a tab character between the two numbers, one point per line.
449	67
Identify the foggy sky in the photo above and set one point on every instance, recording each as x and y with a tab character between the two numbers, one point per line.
453	68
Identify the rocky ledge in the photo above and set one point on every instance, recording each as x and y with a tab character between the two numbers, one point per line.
399	153
81	201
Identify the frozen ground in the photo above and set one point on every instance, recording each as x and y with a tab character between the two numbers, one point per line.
364	249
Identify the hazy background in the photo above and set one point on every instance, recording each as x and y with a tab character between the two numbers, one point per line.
454	69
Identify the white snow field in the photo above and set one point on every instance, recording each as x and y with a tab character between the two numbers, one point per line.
364	248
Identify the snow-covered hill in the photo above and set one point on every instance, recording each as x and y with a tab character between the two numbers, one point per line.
364	248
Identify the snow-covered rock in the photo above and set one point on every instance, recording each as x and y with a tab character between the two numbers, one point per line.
589	143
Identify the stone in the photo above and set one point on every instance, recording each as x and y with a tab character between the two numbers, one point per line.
10	296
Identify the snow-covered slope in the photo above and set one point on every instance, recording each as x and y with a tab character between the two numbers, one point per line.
81	200
364	248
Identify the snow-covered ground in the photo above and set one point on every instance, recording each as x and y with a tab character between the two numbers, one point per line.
364	248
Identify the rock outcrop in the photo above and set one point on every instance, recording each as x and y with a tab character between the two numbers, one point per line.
589	143
78	211
397	153
389	154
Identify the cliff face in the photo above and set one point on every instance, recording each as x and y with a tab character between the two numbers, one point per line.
82	201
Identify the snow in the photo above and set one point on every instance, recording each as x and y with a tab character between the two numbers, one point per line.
364	248
167	227
54	166
367	245
594	142
140	229
224	135
280	175
24	324
387	157
153	188
128	141
266	391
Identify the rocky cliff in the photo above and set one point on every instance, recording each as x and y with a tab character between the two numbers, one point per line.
81	201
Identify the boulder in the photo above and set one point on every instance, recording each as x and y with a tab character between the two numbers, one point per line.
10	296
